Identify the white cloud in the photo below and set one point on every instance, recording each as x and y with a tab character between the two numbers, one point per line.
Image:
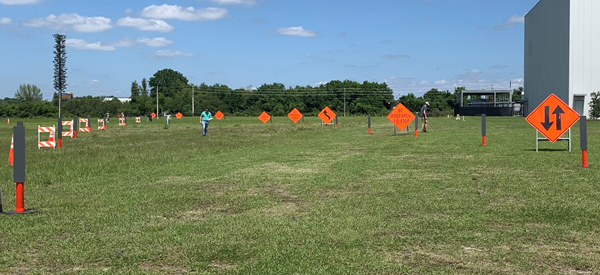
170	53
235	2
94	82
81	44
20	2
510	22
186	14
150	42
5	21
145	24
73	22
296	31
321	83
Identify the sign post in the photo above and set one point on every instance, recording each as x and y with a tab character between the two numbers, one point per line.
401	117
75	126
89	124
416	126
19	170
264	117
583	140
295	115
327	115
483	129
369	122
59	132
219	115
552	119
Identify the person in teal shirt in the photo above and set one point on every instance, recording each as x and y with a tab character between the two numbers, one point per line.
205	117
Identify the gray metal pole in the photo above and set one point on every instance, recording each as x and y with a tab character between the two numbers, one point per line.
344	102
156	102
483	126
192	100
76	123
19	153
60	129
583	133
89	123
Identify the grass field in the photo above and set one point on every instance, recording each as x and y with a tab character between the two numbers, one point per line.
292	199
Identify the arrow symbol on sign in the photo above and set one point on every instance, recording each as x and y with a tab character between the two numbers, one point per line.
547	124
558	111
325	113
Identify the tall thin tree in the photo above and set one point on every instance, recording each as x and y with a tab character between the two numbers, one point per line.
60	71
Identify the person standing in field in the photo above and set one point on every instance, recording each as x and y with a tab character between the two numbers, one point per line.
205	117
168	118
423	115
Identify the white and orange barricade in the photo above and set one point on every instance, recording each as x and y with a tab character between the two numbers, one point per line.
101	125
122	121
85	128
49	143
70	133
138	119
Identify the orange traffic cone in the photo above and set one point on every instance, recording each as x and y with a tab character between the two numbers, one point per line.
8	121
51	139
12	153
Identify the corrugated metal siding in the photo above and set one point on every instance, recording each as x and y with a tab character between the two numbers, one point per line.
547	51
585	49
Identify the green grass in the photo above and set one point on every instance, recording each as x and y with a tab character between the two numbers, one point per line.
252	198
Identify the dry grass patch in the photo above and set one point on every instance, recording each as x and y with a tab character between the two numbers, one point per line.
278	168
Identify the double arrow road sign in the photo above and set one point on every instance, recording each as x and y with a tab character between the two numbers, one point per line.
553	118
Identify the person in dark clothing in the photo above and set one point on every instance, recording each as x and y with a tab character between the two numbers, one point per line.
423	115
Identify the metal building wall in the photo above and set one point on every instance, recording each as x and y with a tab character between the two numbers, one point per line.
547	51
584	50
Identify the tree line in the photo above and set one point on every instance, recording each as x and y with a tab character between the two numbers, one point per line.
176	94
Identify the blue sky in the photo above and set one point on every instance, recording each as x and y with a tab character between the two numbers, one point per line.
413	45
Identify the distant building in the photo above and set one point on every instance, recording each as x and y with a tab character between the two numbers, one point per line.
122	99
67	96
562	56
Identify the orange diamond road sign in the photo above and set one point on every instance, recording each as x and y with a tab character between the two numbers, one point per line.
153	115
295	115
264	117
327	115
553	118
178	115
401	117
219	115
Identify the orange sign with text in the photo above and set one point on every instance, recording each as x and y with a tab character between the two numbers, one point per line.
264	117
401	117
295	115
327	115
219	115
553	118
178	115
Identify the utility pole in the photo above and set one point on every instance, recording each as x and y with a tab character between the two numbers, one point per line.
344	102
156	102
192	100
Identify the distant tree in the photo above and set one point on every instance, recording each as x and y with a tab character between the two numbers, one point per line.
517	94
60	70
135	89
168	81
595	106
412	102
28	93
144	87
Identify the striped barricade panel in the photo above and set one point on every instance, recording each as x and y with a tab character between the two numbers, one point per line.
46	144
45	129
